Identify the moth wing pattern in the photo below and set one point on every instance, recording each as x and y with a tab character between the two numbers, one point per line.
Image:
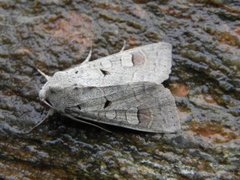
142	106
123	89
149	63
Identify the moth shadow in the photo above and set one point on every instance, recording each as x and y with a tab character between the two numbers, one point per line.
60	122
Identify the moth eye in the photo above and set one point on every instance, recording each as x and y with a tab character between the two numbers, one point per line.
52	91
104	72
107	104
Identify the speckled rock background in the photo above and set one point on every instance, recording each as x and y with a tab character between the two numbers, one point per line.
54	35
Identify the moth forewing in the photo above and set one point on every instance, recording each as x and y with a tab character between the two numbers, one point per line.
150	63
141	106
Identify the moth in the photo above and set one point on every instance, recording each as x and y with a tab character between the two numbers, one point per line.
123	89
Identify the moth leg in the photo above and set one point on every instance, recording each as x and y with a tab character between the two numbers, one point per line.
124	45
43	74
50	113
88	57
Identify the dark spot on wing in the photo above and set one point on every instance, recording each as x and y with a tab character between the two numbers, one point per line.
104	72
76	72
144	117
107	104
79	107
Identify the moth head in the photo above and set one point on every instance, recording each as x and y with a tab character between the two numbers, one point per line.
44	93
49	88
56	91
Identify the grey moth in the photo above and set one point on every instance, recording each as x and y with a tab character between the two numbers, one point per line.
123	89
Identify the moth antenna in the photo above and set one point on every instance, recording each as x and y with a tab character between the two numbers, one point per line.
124	46
85	122
50	113
88	57
43	74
